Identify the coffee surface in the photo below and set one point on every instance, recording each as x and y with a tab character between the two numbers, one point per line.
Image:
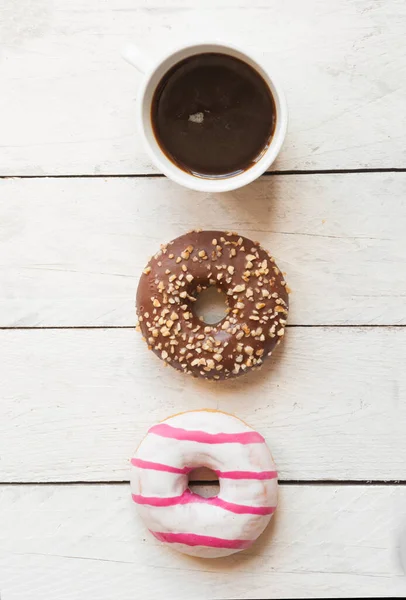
213	115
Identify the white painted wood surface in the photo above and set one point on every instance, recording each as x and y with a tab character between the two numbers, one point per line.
71	250
77	542
67	97
76	403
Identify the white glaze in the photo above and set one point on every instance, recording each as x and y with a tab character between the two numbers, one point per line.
222	517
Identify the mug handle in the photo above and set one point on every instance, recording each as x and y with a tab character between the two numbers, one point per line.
134	57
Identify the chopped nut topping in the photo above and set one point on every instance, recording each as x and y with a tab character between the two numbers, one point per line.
174	296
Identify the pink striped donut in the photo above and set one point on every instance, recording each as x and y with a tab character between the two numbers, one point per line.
206	527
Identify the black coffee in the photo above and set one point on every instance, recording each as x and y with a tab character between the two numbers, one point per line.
213	115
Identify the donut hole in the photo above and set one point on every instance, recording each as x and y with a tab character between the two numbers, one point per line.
204	482
211	305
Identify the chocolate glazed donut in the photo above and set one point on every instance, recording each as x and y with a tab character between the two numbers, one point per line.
257	304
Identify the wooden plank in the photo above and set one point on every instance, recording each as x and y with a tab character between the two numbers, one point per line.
67	101
72	249
76	403
87	541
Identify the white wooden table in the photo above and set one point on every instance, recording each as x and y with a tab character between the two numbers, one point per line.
81	209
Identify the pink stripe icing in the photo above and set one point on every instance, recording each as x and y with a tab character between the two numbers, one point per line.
189	497
202	437
147	464
247	474
192	539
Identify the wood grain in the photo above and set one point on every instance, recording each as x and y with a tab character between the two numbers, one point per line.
76	403
67	101
76	542
71	250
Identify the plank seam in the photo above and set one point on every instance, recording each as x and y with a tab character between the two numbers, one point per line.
286	482
160	175
292	326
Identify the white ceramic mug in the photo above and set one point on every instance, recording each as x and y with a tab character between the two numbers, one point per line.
153	74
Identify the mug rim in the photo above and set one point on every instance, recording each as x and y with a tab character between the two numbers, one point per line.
169	168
